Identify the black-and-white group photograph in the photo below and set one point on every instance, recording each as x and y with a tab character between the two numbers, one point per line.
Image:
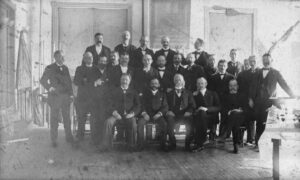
149	89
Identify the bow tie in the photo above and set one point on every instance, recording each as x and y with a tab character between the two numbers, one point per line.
161	70
265	69
197	52
166	50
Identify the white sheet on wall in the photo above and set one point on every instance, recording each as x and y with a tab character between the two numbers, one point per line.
77	27
227	32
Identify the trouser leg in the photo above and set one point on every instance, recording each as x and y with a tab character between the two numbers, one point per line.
54	116
260	126
67	120
201	128
189	131
82	115
162	123
223	124
250	126
170	128
131	131
108	128
140	131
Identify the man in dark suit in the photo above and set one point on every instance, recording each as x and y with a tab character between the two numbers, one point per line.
85	76
244	81
234	67
181	106
193	72
98	49
262	88
125	46
165	76
137	61
210	68
176	67
116	72
100	101
125	106
145	74
201	56
155	107
165	51
57	81
219	84
235	106
206	114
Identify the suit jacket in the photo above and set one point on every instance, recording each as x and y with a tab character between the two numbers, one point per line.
210	100
187	103
169	57
105	51
137	61
125	103
245	79
59	79
101	90
142	79
235	101
85	78
202	59
152	104
192	74
263	88
128	49
115	73
166	81
221	86
234	69
181	70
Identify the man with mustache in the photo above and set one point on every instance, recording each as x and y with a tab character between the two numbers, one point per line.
262	88
165	76
165	51
181	106
98	49
139	53
193	72
155	107
126	46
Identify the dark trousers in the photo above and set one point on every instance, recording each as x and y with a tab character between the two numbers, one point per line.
201	123
172	120
250	119
141	134
60	104
83	109
130	130
235	120
97	123
223	123
261	120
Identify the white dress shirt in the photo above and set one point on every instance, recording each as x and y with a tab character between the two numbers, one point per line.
98	49
124	69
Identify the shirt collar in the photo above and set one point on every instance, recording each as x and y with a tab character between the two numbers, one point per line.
154	91
59	64
203	91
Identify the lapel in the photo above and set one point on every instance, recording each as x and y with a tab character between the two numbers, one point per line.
95	51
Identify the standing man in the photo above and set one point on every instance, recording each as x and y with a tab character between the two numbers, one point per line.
85	76
125	106
145	74
116	72
201	56
125	46
139	53
181	106
194	72
155	107
98	49
245	79
206	114
219	84
165	76
234	66
176	67
165	51
57	81
210	68
262	88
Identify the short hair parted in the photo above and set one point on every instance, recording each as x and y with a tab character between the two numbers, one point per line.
222	61
98	34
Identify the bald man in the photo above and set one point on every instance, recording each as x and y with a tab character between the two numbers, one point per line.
85	77
57	81
125	46
137	61
206	114
165	51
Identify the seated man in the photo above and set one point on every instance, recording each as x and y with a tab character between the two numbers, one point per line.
155	107
181	105
206	114
235	105
165	77
125	106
